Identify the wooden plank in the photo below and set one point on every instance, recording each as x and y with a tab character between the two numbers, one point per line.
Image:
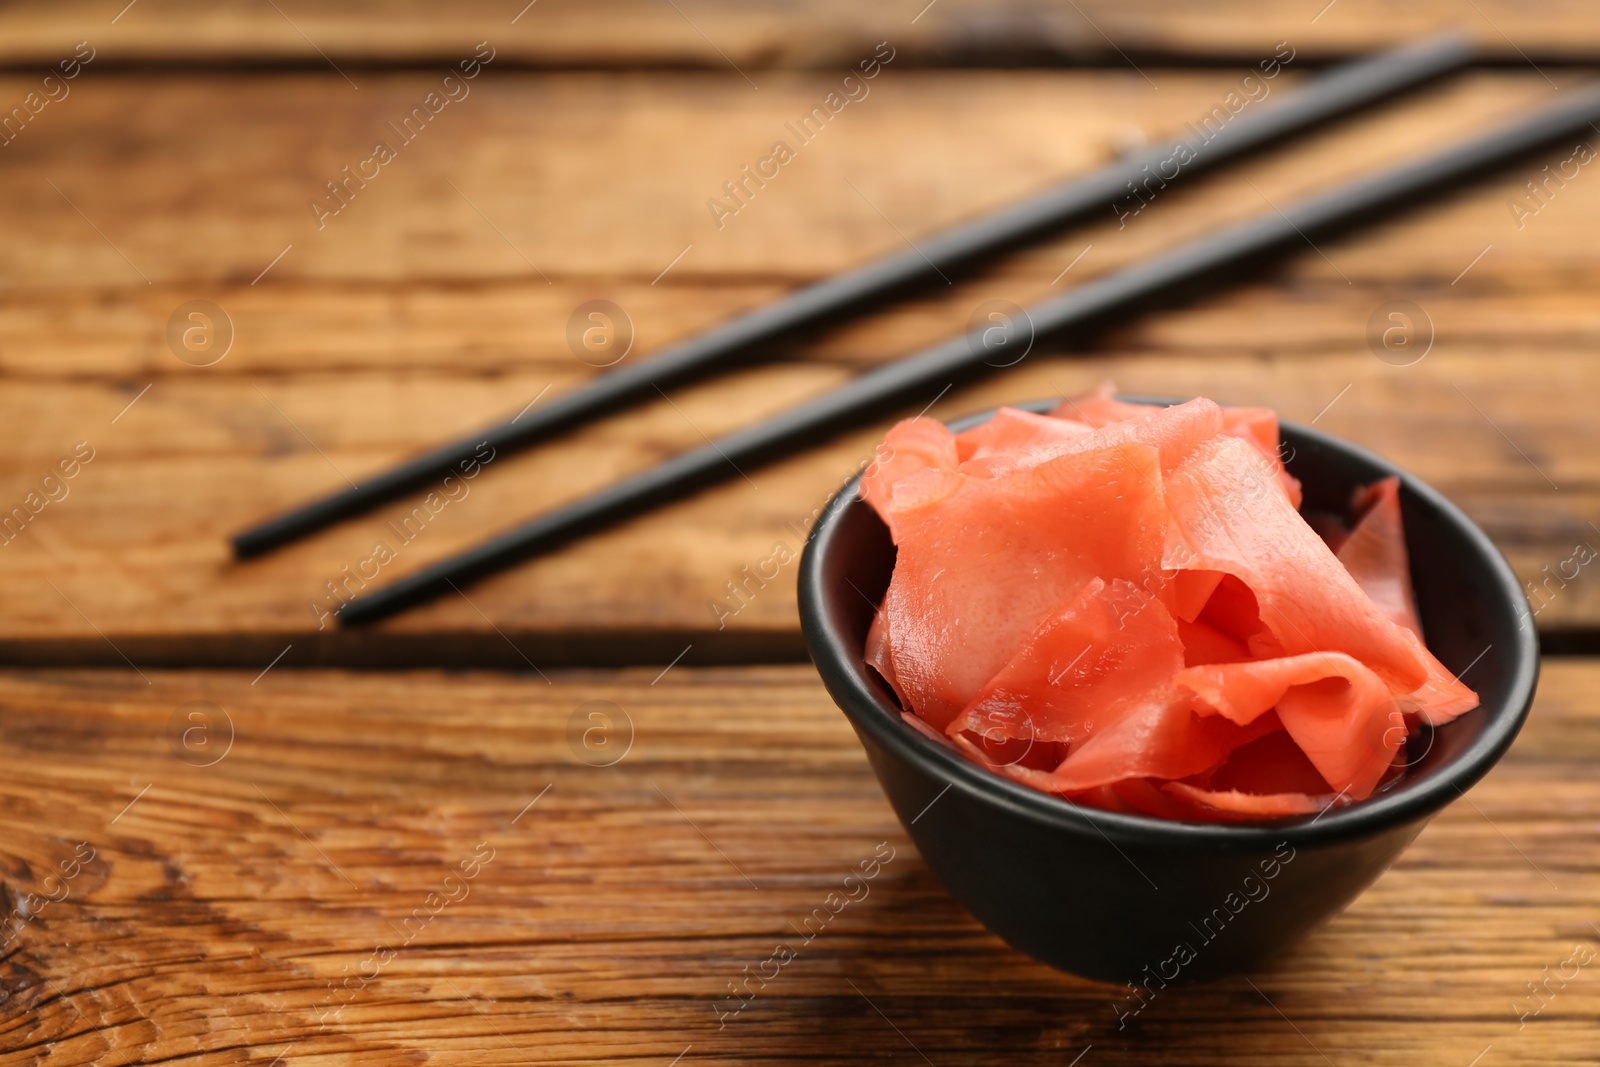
591	178
409	319
268	904
720	34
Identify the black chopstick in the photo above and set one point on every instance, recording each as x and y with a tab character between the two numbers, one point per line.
1251	241
1339	91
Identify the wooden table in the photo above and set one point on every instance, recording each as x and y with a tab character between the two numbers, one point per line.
231	834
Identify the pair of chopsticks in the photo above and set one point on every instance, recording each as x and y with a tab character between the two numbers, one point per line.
1334	94
1322	99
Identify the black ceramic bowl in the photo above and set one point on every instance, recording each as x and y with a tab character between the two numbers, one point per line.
1129	898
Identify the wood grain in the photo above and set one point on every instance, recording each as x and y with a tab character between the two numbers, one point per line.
226	905
725	34
412	317
281	878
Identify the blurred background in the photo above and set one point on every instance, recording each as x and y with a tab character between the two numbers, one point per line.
215	153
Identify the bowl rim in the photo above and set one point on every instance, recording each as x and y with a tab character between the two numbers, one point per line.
870	712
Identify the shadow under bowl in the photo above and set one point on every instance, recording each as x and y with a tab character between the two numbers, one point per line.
1136	899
